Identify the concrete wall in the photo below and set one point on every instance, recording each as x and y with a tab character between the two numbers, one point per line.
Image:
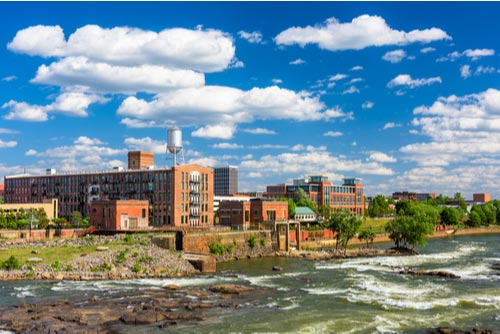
42	234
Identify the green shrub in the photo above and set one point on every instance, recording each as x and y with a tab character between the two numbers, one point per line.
106	266
252	241
136	267
146	259
229	248
216	248
120	258
69	267
263	242
56	265
12	263
128	239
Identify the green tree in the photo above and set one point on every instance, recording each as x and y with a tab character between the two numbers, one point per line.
368	235
346	226
326	212
449	216
474	219
409	230
291	206
379	207
302	199
76	219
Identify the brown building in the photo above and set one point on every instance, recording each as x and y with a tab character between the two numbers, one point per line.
251	214
118	215
140	160
1	189
180	196
350	195
484	198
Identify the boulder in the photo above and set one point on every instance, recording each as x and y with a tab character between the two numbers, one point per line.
230	288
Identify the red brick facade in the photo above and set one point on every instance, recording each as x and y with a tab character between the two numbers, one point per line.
128	215
251	214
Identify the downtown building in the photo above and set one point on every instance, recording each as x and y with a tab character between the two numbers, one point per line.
225	181
349	195
180	196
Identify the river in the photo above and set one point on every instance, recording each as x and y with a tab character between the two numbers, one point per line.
363	295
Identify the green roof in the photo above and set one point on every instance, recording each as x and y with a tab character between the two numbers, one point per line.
303	210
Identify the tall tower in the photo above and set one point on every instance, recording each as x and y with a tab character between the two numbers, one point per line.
174	143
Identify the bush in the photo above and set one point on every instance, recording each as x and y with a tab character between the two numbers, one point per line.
120	258
252	241
229	248
56	265
263	242
12	263
136	267
128	239
216	248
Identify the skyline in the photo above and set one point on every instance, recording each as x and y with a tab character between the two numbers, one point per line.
403	95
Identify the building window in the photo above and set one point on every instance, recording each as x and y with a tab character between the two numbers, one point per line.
143	213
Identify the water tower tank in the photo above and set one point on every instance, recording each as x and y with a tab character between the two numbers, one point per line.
174	143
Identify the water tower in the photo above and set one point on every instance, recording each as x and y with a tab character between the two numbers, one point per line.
174	142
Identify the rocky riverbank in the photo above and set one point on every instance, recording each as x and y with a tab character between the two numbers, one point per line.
121	312
110	259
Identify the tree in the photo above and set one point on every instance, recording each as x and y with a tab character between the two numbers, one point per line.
345	225
409	230
291	205
302	199
449	216
76	218
379	207
368	235
326	212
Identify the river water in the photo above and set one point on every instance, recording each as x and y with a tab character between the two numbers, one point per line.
364	295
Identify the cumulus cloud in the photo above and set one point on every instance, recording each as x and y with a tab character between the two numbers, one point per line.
297	61
227	146
363	31
427	49
459	128
251	37
106	78
8	131
465	71
381	157
367	105
391	125
337	77
146	144
70	103
135	123
200	50
356	68
472	54
9	78
333	134
276	81
394	56
210	106
260	131
407	81
31	152
7	144
351	90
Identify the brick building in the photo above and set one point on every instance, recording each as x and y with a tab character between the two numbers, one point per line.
350	195
119	215
243	215
481	198
177	196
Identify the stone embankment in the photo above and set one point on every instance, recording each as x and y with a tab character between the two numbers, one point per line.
139	260
328	254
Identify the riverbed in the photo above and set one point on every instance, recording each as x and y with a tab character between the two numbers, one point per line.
361	295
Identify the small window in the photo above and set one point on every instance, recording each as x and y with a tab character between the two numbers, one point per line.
143	213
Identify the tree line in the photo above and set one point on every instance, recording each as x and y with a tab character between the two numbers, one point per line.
37	218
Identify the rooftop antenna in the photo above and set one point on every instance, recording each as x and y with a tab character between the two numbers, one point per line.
174	143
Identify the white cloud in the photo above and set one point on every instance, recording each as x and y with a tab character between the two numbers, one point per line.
356	68
268	146
478	53
276	81
9	78
215	131
355	80
254	175
251	37
427	49
84	140
228	146
105	78
394	56
69	103
260	131
337	77
363	31
465	71
459	128
485	70
140	124
333	134
200	50
367	105
7	144
318	162
210	105
391	125
310	148
31	152
381	157
350	90
407	81
8	131
297	61
146	144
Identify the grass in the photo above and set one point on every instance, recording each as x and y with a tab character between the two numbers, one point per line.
378	225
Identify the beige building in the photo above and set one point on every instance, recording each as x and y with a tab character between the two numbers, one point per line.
50	206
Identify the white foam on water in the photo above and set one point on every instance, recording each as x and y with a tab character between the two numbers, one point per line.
384	325
488	301
25	291
324	291
5	332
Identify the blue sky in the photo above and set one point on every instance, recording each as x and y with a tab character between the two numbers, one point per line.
404	95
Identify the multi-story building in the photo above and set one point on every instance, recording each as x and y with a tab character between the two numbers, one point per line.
225	181
178	196
251	214
129	215
481	198
349	195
